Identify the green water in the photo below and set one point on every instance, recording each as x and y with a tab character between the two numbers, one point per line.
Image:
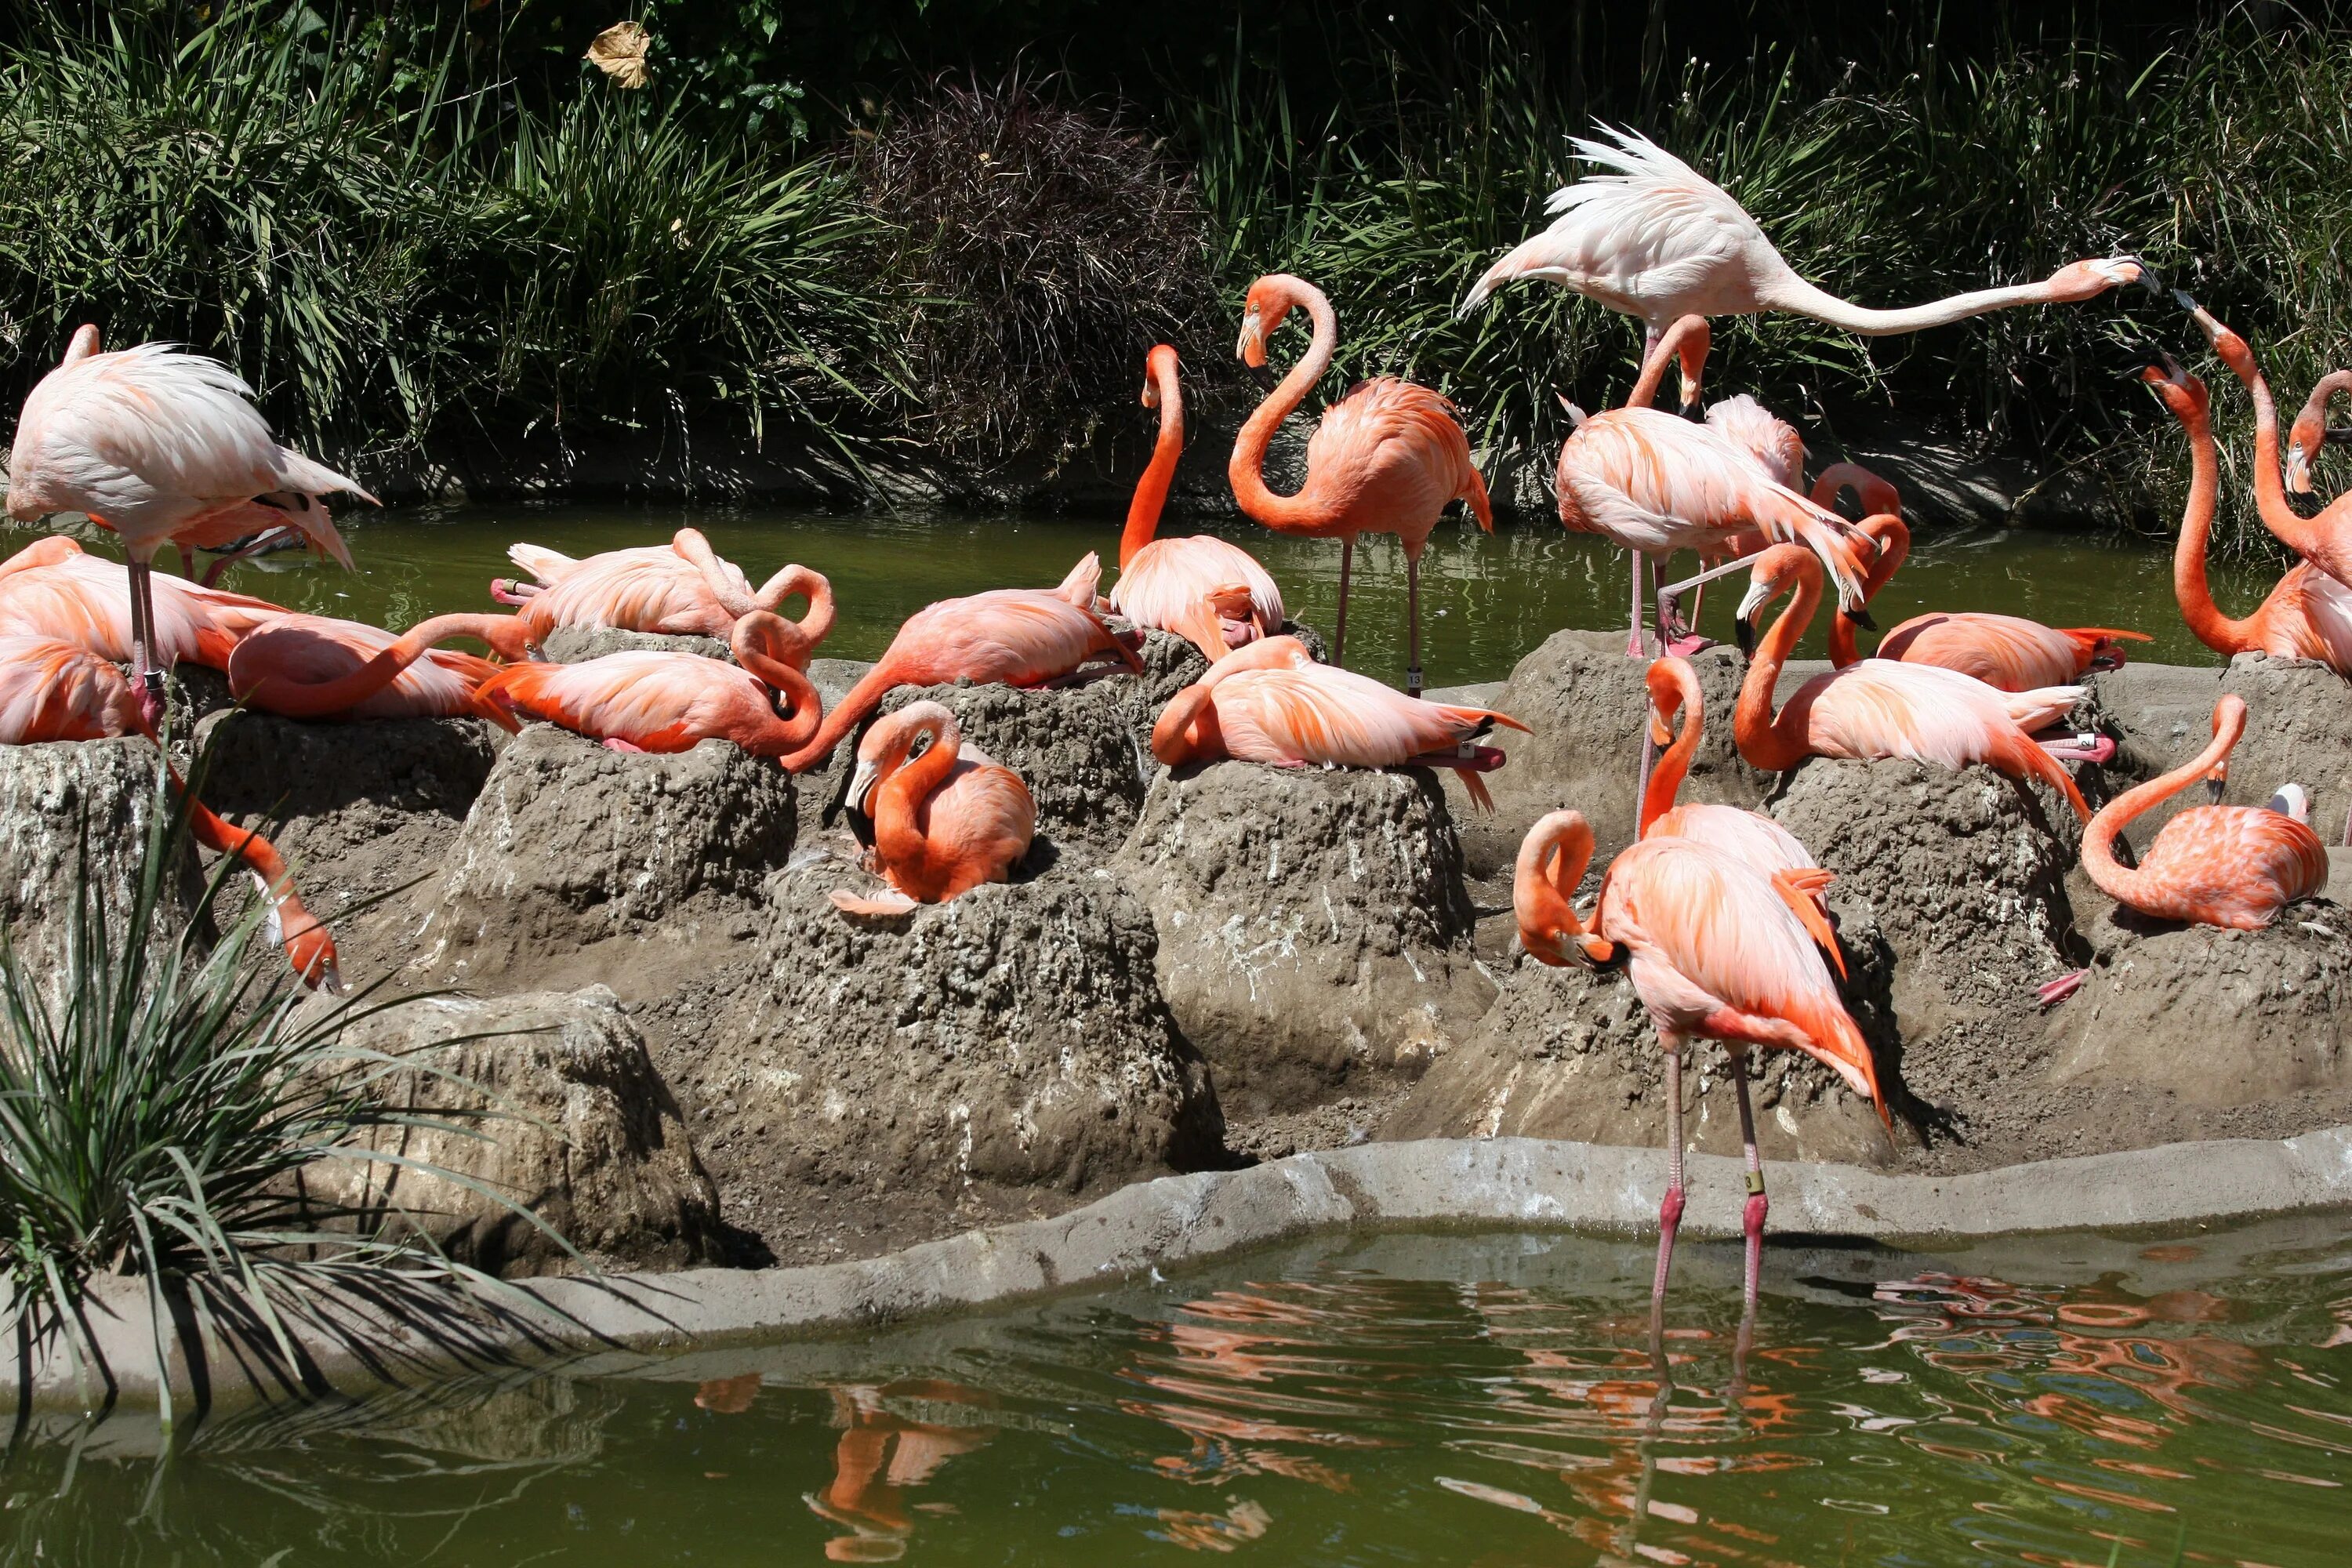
1398	1400
1487	600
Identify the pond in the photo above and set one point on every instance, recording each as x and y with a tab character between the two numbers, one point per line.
1398	1400
1488	600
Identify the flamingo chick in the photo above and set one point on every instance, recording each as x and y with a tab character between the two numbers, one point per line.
682	589
52	589
665	702
163	448
1160	579
55	691
1389	457
1715	953
944	823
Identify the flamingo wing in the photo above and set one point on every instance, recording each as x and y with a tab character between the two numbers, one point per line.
1168	576
1394	450
1318	714
2233	865
51	689
657	700
2003	651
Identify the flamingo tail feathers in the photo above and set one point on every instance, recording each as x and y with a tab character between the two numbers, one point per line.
1800	889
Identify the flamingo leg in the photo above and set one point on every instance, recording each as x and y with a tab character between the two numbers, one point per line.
1669	1209
1674	636
146	680
1751	1221
1413	623
1340	622
1633	647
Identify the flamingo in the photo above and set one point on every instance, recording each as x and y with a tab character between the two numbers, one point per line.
1272	703
2231	866
1022	637
1750	837
1159	579
943	824
2310	431
52	689
317	667
1878	707
2325	540
1715	953
52	589
683	589
163	448
1386	458
1656	239
658	701
2308	615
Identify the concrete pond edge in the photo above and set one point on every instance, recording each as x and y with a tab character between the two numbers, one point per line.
1170	1223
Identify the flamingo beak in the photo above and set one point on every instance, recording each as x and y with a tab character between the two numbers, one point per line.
1743	632
861	786
2298	469
1251	347
2216	783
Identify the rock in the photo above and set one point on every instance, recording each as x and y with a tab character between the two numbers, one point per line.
1570	1052
2298	728
1014	1034
570	845
77	812
1072	746
584	1135
1313	924
577	645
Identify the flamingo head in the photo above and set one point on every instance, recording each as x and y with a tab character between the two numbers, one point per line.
890	741
2182	393
2228	723
2079	280
1776	571
1159	369
2226	343
1674	687
1269	299
1551	862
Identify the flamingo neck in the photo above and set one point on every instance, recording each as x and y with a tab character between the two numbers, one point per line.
2135	884
816	621
1769	742
1551	862
1151	490
2311	425
771	649
1673	765
1687	340
1187	728
294	699
1793	294
900	797
1893	536
1247	470
2189	586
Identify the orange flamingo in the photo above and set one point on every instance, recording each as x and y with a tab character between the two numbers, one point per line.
1021	636
2308	615
316	667
53	589
163	448
945	823
2324	540
1271	702
1159	579
1879	708
661	702
1714	952
1755	840
2310	430
2231	866
683	589
1389	457
52	689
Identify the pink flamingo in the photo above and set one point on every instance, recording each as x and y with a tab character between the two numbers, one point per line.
2310	431
1021	636
2308	615
1272	703
52	689
944	823
1160	579
1389	457
682	589
2324	540
163	448
2231	866
1656	239
51	588
649	701
1750	837
1879	708
316	667
1715	953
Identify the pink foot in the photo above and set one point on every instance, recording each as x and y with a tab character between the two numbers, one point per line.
150	707
614	743
1688	644
2058	990
2087	747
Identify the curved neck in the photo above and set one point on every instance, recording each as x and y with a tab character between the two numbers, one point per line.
1687	338
1794	294
810	585
1675	763
2190	586
1551	862
1187	728
1151	490
1769	742
2270	482
2133	885
293	698
1247	470
900	796
773	651
2313	416
1876	492
1893	537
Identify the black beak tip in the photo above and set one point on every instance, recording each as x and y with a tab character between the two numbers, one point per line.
1744	633
2187	301
1860	619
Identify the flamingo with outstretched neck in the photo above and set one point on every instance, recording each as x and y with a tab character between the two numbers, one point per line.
1389	457
1715	953
1019	637
164	448
664	702
1160	579
944	823
317	667
52	589
1655	239
1879	708
682	589
51	689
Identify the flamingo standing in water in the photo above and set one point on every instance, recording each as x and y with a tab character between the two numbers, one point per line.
163	448
51	689
1021	636
2308	615
658	701
1715	953
316	667
1386	458
1656	239
681	589
2231	866
1879	708
944	823
52	589
1160	579
1271	702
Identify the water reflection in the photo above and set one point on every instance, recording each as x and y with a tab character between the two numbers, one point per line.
883	1455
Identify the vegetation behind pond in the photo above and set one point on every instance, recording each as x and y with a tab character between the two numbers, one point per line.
403	226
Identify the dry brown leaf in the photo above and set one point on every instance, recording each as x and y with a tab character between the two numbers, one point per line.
619	51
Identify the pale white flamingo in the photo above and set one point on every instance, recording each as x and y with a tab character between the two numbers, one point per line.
682	589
